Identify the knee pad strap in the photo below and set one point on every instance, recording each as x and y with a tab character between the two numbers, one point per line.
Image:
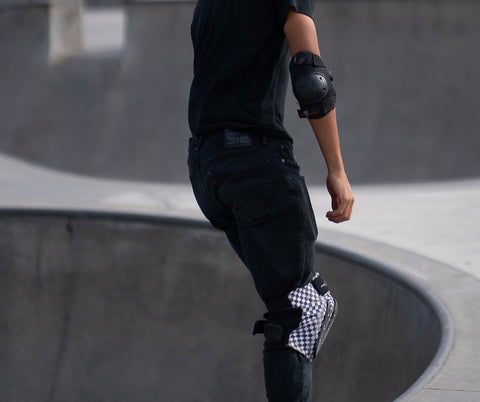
279	324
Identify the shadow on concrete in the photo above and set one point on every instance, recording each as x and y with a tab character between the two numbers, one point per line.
117	308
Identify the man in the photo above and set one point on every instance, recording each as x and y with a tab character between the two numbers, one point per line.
244	174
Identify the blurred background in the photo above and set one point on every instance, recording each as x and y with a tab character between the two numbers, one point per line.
100	87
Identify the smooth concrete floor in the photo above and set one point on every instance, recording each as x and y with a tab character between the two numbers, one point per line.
439	220
428	231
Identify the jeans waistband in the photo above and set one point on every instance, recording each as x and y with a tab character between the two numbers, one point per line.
239	138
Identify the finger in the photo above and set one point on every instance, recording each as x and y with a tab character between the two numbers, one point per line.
336	219
335	216
342	213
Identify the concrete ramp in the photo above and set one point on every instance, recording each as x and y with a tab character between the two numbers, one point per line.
115	308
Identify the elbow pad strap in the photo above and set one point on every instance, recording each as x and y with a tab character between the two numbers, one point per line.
312	85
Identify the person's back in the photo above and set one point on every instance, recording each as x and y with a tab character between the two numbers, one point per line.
241	66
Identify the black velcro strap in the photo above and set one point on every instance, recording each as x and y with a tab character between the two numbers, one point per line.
259	327
320	285
272	332
310	114
309	59
278	324
318	111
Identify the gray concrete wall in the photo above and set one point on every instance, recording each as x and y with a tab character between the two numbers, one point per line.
116	309
405	72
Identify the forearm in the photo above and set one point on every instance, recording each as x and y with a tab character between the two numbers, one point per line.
338	186
326	133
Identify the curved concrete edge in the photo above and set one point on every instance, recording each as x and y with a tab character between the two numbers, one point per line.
348	250
429	297
455	295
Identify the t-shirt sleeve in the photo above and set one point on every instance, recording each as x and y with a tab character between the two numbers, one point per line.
301	6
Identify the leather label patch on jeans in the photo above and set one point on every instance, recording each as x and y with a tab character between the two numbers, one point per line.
235	139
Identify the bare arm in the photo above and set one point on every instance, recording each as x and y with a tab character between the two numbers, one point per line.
302	36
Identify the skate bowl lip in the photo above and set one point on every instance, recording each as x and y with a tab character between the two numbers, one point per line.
377	265
424	293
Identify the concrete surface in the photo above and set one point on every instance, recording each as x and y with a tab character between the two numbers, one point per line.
404	72
386	233
135	310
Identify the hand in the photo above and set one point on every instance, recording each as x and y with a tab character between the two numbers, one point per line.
342	197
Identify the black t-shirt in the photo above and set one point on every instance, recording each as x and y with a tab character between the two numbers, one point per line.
240	65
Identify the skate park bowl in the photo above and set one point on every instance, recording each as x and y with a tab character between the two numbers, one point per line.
115	307
101	303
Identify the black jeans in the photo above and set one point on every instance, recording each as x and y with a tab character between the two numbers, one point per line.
250	187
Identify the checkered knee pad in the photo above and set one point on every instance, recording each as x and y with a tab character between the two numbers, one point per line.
301	319
317	315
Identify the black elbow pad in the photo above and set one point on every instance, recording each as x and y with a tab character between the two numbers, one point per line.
312	85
